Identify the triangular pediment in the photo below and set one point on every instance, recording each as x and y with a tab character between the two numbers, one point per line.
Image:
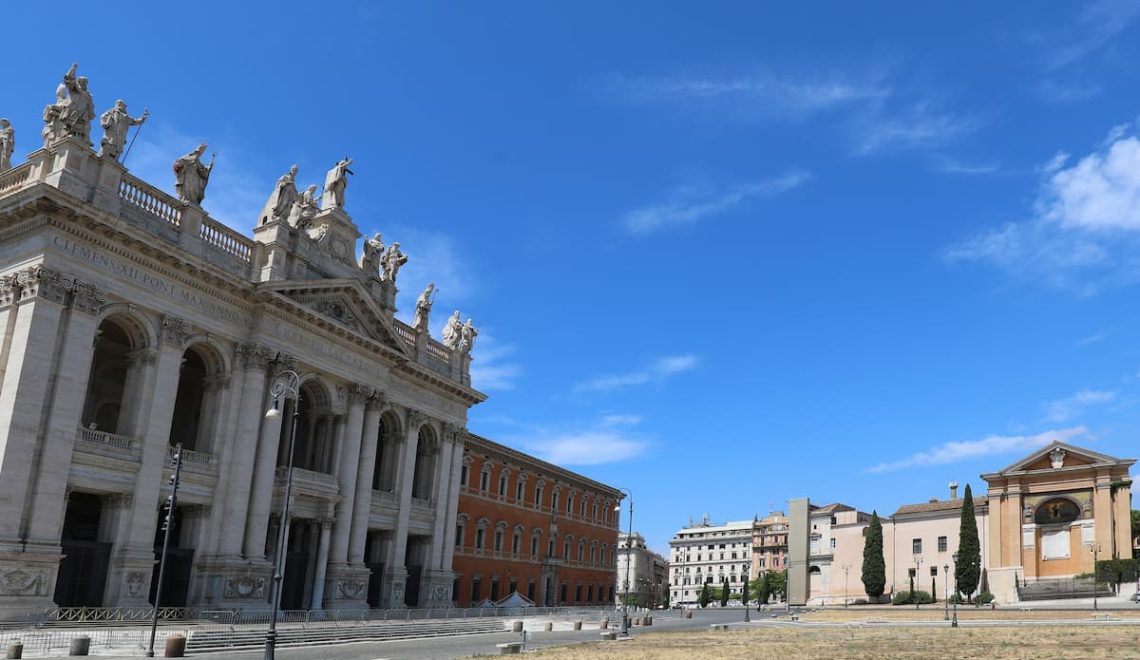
345	303
1064	455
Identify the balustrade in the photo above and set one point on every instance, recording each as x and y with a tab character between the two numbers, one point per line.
150	199
221	237
15	177
106	439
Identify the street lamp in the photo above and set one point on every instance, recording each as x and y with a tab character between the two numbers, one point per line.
945	598
956	596
1094	548
846	570
625	584
287	385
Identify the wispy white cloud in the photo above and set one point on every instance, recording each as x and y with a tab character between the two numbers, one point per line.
621	420
954	452
607	439
656	372
1083	231
920	125
1097	25
1097	336
954	166
1062	410
692	203
491	365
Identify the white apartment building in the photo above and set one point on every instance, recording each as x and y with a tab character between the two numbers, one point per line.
646	571
706	553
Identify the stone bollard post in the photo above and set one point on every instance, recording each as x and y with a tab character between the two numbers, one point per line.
605	624
577	625
79	646
517	626
688	614
647	621
175	646
549	626
15	651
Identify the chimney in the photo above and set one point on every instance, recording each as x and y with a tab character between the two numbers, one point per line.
953	490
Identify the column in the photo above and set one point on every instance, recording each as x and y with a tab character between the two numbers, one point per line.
440	576
1102	515
396	573
156	407
362	508
1123	518
453	505
249	410
322	562
265	479
350	581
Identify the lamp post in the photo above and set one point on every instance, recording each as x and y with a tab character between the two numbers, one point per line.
1094	548
287	385
168	526
846	570
945	598
917	577
956	596
625	584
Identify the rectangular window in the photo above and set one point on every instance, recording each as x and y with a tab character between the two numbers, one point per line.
530	590
463	477
534	547
578	593
459	536
503	485
933	571
832	544
495	588
916	546
941	544
480	535
476	590
519	491
484	480
554	501
516	542
910	572
538	497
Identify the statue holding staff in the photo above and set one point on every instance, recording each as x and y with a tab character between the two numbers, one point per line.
423	309
335	183
7	144
116	123
191	176
372	256
453	331
280	202
393	260
78	109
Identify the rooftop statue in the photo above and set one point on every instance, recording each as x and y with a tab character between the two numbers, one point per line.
76	108
335	183
393	260
304	209
7	144
453	331
467	337
372	256
116	122
281	200
423	309
191	176
53	120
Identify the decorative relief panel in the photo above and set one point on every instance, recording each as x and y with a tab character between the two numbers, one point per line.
244	586
24	582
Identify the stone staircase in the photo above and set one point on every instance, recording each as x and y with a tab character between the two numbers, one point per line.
1060	588
237	637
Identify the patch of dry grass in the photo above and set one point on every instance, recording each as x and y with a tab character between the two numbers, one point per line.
783	643
858	615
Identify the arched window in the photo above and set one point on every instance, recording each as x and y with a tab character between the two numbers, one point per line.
566	546
481	534
465	472
460	529
554	498
570	503
504	477
387	449
539	487
581	550
534	536
520	487
516	540
427	450
485	478
500	531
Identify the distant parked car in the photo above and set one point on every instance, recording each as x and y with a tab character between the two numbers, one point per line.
1136	597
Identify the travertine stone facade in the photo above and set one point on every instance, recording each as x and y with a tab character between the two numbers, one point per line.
647	571
704	553
132	322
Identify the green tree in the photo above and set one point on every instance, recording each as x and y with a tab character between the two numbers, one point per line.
933	590
744	594
778	583
665	595
968	570
874	566
725	590
1136	531
703	599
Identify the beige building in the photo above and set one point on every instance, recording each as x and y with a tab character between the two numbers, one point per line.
646	571
1041	518
133	321
825	574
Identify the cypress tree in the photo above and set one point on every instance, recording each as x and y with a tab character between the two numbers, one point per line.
968	570
744	594
703	600
724	591
764	592
874	566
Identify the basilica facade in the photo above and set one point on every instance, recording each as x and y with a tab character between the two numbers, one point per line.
134	323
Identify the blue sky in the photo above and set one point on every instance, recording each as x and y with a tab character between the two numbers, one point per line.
722	254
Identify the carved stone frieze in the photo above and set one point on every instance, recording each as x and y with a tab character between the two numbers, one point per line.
87	298
244	586
24	582
415	418
350	589
378	401
142	356
359	394
118	500
136	581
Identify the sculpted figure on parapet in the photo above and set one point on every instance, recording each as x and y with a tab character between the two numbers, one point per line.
280	202
335	183
393	260
453	331
191	176
467	337
116	122
372	256
423	309
79	108
7	144
304	209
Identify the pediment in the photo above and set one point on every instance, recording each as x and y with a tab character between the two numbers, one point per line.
345	303
1060	455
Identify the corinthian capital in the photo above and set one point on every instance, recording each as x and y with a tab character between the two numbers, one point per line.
359	394
254	356
415	418
175	330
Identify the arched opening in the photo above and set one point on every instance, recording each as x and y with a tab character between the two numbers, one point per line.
190	407
425	465
387	445
109	381
83	569
316	430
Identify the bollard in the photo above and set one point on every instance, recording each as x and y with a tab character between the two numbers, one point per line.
577	625
605	624
637	621
549	626
517	626
15	650
175	646
647	621
79	646
688	614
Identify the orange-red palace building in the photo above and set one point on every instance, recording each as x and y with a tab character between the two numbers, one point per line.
529	526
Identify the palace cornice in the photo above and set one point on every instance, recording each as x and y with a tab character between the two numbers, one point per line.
477	444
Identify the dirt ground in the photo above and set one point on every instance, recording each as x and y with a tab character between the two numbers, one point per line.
856	614
784	643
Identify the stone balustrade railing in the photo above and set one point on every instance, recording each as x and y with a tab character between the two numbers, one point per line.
217	235
405	333
191	456
106	439
138	193
309	478
15	177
